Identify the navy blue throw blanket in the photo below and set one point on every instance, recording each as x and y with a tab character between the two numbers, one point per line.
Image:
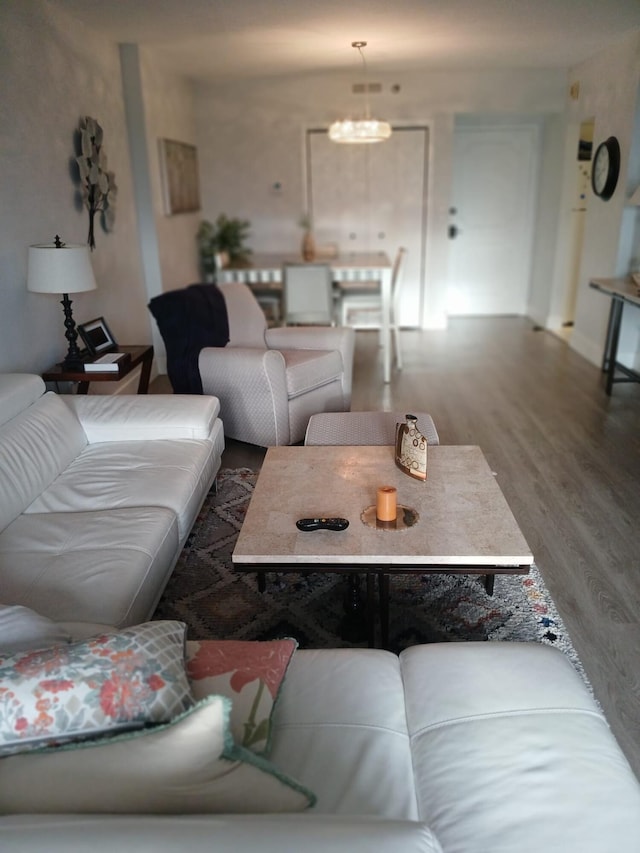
189	320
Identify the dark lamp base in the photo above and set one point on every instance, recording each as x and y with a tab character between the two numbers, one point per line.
72	364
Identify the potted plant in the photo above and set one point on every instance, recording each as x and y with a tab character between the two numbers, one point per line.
226	236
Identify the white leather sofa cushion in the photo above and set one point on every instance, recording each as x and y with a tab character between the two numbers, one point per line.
84	630
292	833
65	564
22	628
141	418
18	391
357	759
308	369
501	765
133	474
35	446
186	765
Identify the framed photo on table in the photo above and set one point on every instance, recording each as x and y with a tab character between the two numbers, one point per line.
97	336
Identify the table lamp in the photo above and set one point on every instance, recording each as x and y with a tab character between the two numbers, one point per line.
62	268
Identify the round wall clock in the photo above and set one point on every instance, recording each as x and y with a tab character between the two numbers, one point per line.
606	168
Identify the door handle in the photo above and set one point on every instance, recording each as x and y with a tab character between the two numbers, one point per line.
453	232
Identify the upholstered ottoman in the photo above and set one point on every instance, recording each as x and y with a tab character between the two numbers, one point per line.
367	428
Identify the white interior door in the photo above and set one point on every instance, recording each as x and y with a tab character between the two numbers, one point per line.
368	198
492	217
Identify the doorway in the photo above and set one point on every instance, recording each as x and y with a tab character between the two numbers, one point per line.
577	216
372	198
492	216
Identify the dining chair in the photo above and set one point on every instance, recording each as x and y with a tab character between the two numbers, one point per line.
360	304
307	294
270	299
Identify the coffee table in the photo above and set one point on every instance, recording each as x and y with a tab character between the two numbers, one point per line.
464	523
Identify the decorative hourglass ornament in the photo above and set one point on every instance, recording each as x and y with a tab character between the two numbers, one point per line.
411	449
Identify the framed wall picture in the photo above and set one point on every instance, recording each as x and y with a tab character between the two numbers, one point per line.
179	166
96	336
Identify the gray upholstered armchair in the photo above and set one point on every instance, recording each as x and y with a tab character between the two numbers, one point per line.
270	381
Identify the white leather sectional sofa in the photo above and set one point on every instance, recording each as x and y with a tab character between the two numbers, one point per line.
459	747
97	496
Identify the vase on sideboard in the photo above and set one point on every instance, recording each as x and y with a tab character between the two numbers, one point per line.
308	246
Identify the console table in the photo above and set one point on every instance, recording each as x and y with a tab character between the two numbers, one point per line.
621	291
139	355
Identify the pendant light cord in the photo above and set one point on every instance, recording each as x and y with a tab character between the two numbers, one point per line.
360	130
359	45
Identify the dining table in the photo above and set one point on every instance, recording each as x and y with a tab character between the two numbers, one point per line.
263	271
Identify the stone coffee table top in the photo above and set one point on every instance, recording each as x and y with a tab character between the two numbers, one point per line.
464	519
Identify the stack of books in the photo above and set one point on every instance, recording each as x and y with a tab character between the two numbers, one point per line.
111	362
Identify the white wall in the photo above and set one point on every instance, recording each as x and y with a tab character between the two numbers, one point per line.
546	228
169	114
629	251
251	133
608	93
54	72
158	106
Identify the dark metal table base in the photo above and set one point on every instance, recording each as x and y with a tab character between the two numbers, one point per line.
609	362
359	621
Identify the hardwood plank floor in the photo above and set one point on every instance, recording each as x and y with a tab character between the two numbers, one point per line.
567	458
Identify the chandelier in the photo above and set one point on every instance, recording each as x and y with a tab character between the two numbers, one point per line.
355	131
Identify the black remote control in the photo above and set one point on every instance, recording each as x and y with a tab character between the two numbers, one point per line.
309	524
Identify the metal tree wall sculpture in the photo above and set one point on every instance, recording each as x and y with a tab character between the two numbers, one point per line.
98	186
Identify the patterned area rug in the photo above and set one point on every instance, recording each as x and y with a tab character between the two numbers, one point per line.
217	602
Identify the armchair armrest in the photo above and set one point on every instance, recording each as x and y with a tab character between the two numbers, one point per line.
130	417
251	386
309	337
342	338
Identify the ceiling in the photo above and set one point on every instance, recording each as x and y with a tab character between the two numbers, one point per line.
225	39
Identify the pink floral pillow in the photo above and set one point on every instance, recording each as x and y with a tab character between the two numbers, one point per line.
247	672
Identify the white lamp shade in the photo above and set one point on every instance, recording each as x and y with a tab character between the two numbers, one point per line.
60	270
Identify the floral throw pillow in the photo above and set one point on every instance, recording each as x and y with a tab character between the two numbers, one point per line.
111	682
249	673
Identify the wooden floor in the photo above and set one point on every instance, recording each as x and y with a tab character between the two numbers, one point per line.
567	458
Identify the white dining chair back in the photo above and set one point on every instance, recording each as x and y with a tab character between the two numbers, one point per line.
307	291
362	308
397	276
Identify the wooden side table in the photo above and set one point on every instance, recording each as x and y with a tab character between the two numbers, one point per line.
139	355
